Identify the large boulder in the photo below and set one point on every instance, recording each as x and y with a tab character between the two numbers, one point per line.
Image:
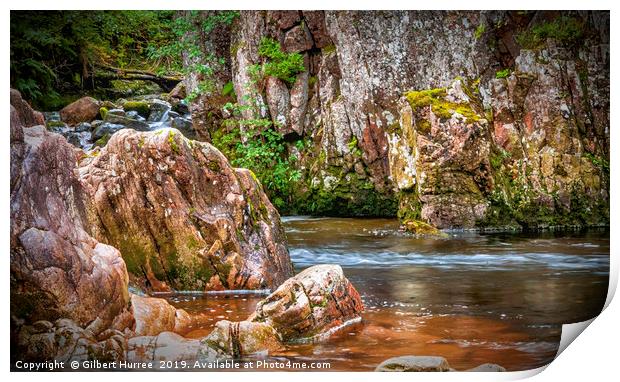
25	114
182	216
84	109
58	270
311	305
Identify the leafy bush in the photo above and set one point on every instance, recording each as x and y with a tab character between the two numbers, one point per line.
284	66
254	144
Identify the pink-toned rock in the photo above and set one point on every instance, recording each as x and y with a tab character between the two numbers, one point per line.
84	109
243	338
25	114
65	341
311	304
298	39
155	315
181	215
284	19
316	24
58	270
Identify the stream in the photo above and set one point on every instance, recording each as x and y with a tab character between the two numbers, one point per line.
472	298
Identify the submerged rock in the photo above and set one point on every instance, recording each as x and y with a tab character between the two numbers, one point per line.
182	216
84	109
488	367
243	338
169	346
414	363
310	304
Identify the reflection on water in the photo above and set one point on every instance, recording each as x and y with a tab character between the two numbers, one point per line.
472	298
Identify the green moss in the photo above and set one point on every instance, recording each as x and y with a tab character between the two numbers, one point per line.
352	145
173	143
141	107
350	195
435	98
566	30
328	49
503	73
54	124
103	112
480	31
103	140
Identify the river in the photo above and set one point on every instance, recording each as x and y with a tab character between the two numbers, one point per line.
471	298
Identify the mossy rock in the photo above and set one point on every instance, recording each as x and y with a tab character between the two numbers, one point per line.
419	227
435	98
142	107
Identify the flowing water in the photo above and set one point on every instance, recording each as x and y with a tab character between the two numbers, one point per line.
471	298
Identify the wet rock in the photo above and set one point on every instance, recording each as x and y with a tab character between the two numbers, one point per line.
420	228
141	107
159	110
64	340
84	109
488	367
83	127
414	363
243	338
117	119
156	315
26	115
185	126
106	129
58	270
311	304
183	216
168	346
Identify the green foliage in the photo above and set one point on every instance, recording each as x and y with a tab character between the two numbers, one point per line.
503	73
53	51
600	162
566	30
284	66
254	144
497	158
480	31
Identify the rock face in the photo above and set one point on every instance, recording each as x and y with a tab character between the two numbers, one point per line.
26	115
531	151
85	109
310	304
58	270
182	217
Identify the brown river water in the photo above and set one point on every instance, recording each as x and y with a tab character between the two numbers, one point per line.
471	298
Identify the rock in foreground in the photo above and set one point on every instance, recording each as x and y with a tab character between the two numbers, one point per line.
307	306
182	216
412	363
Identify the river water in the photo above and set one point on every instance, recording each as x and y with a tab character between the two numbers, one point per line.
471	298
